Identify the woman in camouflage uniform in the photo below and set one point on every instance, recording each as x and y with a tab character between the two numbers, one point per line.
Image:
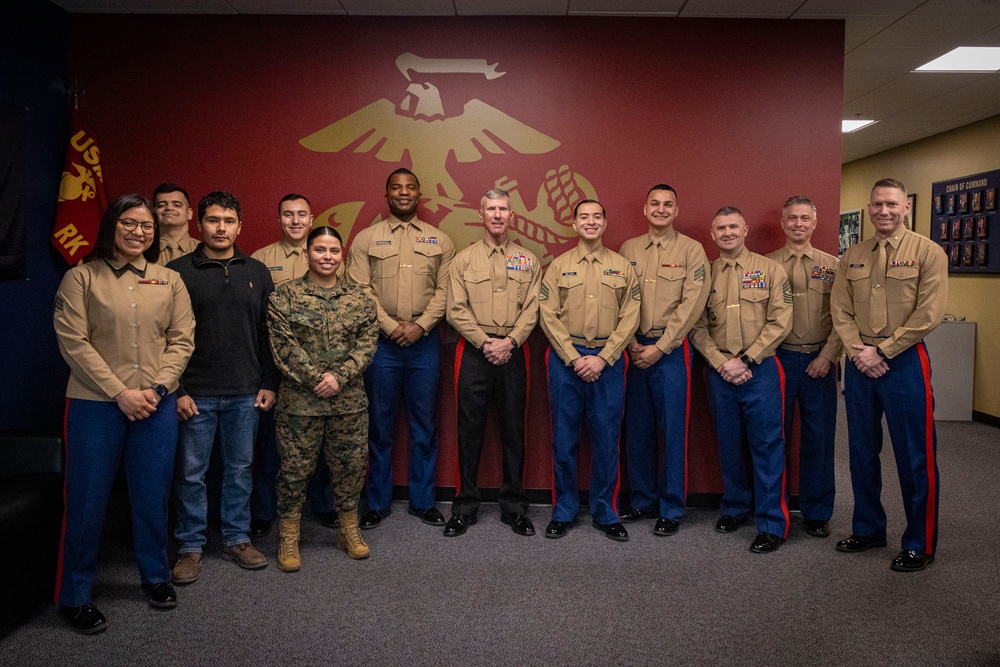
323	335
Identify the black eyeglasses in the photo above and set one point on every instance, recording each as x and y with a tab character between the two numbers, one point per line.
129	225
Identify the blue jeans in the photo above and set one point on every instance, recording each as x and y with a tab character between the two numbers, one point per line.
235	417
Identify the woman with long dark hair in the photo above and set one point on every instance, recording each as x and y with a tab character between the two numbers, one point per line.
126	329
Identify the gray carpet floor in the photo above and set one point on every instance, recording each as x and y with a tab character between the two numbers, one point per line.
491	597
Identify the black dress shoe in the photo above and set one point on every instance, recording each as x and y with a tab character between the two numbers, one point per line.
665	526
557	529
856	544
160	596
817	528
765	543
633	514
911	561
259	527
432	517
614	531
329	519
728	524
519	523
372	518
458	524
87	619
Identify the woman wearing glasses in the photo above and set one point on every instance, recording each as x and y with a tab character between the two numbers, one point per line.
126	329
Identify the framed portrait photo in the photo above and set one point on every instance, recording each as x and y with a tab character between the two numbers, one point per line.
967	251
982	254
956	229
963	202
990	199
955	254
977	201
982	227
850	228
949	202
910	222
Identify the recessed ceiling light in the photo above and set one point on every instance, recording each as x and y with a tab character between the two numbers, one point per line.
848	126
965	59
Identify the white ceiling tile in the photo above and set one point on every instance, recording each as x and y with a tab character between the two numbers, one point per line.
859	83
512	7
740	8
625	7
953	8
287	7
880	59
177	6
858	7
399	7
928	30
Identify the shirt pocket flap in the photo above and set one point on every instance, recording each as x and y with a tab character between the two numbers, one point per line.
754	294
903	272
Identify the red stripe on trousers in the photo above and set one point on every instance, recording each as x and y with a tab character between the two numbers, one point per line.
931	509
527	402
552	475
784	469
459	351
686	350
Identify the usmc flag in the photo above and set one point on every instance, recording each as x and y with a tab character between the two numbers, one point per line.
81	195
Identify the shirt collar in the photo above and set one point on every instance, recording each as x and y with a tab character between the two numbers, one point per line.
662	240
132	266
581	253
290	249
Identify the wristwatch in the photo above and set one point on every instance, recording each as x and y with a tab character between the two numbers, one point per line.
746	359
160	390
879	352
512	342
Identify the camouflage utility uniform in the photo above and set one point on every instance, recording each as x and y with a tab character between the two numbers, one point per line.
314	331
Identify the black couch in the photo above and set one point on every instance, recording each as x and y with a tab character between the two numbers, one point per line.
31	507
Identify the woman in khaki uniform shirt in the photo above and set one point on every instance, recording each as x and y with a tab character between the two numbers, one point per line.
126	329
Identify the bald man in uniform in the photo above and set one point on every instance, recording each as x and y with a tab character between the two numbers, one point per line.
173	213
402	264
589	310
671	269
889	293
493	304
809	355
749	313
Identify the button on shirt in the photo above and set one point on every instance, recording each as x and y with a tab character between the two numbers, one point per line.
916	292
592	297
672	281
284	260
127	332
403	267
171	250
763	305
816	271
494	287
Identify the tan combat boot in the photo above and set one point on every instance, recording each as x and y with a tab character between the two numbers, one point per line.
350	539
288	547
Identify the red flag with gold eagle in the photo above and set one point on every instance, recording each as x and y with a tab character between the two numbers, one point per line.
81	195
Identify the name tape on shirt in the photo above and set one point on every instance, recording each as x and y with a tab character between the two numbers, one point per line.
383	243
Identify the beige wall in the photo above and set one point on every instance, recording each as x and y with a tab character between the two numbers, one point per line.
968	150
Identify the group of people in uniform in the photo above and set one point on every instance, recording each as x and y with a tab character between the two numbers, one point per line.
336	345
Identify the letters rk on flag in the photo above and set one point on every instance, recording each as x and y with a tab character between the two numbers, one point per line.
81	195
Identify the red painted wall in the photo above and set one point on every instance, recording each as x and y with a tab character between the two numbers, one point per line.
733	112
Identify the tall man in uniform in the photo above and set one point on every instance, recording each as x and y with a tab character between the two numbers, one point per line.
230	376
809	356
173	212
890	292
285	260
493	304
749	312
671	269
589	310
402	264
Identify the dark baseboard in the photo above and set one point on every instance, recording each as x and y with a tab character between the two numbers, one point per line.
984	418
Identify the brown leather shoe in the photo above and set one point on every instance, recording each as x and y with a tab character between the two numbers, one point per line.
187	569
245	555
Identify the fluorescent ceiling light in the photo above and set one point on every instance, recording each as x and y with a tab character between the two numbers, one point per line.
966	59
848	126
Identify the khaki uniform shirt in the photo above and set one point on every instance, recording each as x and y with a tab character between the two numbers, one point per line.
671	272
315	330
122	333
169	250
284	260
820	270
589	299
403	267
493	289
916	296
764	309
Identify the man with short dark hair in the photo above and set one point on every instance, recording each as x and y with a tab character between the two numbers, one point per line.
173	212
749	312
589	309
671	269
493	304
402	264
809	357
889	293
286	260
230	376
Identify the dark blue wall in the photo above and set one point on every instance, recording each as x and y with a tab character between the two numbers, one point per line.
34	73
